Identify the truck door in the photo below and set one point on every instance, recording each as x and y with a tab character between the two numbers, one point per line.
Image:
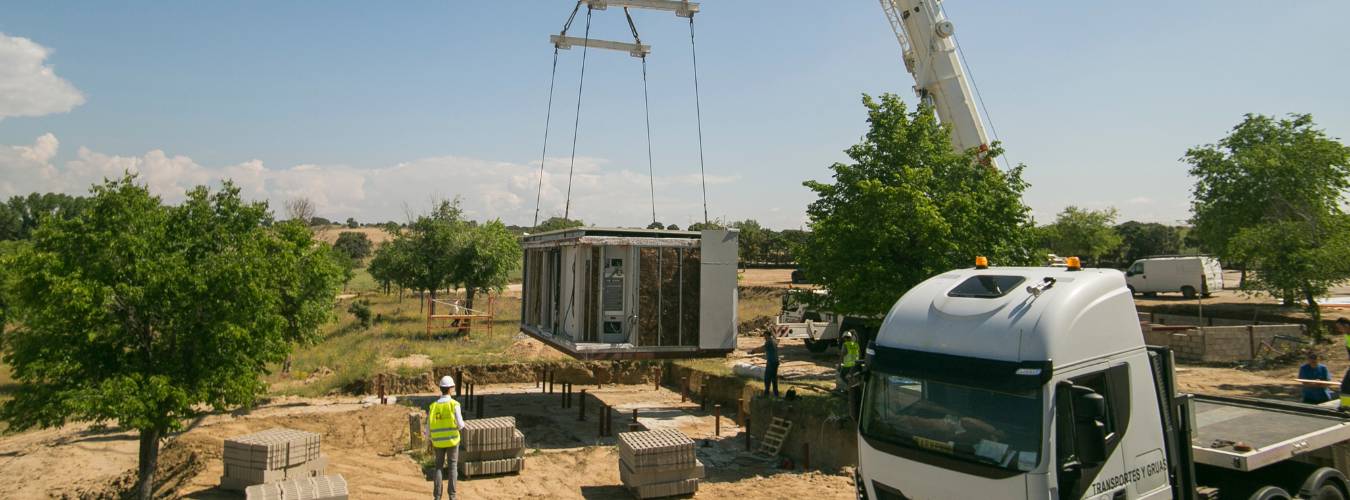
1078	475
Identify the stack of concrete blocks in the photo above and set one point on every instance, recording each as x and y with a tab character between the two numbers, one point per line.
658	463
271	456
490	446
332	487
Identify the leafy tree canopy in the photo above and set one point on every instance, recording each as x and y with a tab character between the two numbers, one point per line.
1271	194
1142	239
21	214
556	223
1087	234
353	244
907	208
146	315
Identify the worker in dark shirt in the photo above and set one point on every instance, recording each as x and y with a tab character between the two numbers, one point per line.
770	363
1313	370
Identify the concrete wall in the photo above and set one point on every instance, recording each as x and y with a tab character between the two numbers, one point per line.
1218	344
830	435
1194	320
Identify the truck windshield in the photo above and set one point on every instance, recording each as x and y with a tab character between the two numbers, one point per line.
998	429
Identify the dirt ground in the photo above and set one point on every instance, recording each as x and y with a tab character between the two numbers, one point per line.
565	458
781	278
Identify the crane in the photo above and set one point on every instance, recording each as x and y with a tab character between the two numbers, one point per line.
927	40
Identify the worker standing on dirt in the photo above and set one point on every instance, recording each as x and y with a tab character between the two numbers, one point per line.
770	363
849	362
1313	370
444	421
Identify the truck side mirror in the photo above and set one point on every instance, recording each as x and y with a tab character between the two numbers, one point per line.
1089	410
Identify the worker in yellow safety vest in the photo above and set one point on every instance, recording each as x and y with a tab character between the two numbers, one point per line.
849	350
444	421
1343	327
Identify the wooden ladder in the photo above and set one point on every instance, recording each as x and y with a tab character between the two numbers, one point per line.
773	439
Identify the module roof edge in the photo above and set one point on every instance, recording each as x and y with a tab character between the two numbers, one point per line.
611	231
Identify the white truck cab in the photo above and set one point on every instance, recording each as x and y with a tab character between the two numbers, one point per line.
1036	383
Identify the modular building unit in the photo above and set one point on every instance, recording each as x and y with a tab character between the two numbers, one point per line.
598	293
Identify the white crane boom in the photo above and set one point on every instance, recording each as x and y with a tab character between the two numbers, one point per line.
930	55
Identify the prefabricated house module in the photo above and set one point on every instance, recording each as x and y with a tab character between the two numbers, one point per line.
599	293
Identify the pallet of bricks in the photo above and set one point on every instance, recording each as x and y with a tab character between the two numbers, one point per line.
489	446
271	456
658	463
332	487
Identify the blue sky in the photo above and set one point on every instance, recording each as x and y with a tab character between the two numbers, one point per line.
374	109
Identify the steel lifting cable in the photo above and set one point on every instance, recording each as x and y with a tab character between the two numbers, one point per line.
647	111
581	84
548	116
698	112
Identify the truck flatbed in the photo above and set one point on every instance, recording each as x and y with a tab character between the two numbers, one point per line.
1274	430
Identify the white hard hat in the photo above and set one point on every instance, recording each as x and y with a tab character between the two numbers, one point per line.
446	381
848	334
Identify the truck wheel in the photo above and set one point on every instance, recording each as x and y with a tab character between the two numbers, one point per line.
1132	292
1328	492
1325	483
817	346
1270	493
1188	292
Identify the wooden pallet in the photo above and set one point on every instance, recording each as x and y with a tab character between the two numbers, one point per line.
773	439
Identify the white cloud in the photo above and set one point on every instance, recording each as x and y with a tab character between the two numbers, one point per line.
601	194
1140	200
28	86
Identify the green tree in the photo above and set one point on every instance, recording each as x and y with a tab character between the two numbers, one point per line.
1087	234
429	246
1270	195
752	240
352	224
22	214
556	223
656	225
485	259
907	208
147	315
1142	239
712	224
355	245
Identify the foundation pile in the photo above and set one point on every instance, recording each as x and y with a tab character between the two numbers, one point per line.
271	456
490	446
658	463
308	488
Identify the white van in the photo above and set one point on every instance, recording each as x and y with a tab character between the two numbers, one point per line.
1188	274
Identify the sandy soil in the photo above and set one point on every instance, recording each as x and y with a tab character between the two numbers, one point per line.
365	443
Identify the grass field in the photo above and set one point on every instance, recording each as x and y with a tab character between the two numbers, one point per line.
398	330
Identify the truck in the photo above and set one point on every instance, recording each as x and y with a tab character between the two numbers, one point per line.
1191	275
818	328
1035	382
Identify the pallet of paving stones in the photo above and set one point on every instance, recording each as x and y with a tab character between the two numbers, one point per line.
491	467
493	451
664	448
657	475
270	456
272	449
332	487
658	490
238	478
483	433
